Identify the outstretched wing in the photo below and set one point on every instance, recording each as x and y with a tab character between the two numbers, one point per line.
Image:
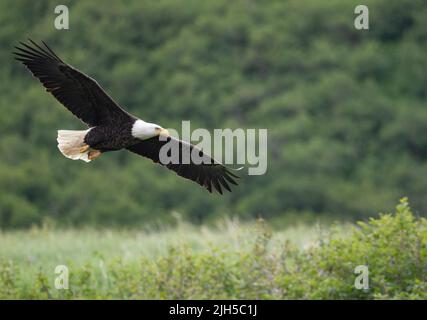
209	173
78	92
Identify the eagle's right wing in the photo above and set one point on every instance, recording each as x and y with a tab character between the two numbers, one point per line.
79	93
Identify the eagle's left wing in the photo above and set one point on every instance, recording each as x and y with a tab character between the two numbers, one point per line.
207	174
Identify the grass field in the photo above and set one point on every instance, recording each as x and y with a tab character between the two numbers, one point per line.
230	260
31	256
42	249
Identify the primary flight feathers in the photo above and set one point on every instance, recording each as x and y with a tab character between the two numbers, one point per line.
111	128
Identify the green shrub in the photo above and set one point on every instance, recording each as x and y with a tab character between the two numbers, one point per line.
394	247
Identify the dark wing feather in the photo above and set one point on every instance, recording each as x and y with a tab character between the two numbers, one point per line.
78	92
207	174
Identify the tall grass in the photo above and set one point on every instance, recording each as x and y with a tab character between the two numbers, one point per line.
230	261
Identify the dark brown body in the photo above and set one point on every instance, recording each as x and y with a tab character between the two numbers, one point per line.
111	137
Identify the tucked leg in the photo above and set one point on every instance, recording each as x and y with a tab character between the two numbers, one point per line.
93	154
84	148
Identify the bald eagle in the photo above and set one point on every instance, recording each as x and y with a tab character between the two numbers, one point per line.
110	127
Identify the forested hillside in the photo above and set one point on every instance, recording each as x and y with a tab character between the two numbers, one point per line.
346	110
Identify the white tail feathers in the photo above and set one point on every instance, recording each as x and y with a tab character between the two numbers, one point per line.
70	143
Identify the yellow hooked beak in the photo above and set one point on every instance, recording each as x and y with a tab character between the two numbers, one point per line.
163	132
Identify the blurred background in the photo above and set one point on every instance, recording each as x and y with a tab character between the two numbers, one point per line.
345	109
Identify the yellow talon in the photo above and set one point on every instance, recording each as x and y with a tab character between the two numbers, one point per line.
84	148
94	154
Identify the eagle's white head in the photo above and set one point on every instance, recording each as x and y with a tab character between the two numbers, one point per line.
145	130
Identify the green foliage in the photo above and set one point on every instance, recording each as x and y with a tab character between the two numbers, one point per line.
393	246
344	109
